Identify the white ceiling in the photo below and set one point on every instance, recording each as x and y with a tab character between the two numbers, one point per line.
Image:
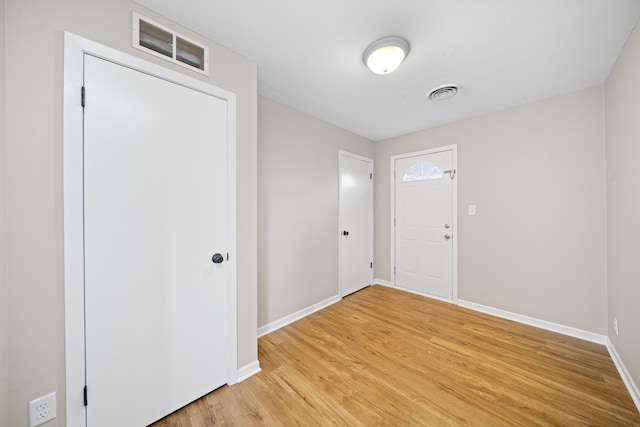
501	53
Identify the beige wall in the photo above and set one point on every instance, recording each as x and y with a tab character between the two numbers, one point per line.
622	106
34	181
3	241
536	174
298	208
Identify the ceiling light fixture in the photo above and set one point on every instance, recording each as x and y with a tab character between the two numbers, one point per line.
385	55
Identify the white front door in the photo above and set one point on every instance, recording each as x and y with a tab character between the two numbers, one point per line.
356	222
155	213
424	226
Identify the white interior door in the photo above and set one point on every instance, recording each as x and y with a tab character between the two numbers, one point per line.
356	222
155	212
424	223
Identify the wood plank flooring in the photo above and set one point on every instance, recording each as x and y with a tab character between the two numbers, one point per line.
383	357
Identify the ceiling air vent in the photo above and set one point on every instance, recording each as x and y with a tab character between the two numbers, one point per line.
164	43
443	92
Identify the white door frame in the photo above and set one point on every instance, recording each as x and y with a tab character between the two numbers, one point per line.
342	153
454	207
75	48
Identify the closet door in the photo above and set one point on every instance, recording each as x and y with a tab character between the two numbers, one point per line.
155	213
356	222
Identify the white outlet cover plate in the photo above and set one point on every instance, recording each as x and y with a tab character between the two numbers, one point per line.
42	409
472	209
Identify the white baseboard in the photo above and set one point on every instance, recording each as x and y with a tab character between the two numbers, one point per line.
532	321
624	374
423	294
377	281
273	326
248	370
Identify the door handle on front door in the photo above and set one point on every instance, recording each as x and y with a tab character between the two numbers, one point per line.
447	236
217	258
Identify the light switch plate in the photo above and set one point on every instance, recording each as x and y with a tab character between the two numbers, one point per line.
472	209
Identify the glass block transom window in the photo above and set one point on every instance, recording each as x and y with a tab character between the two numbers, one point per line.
422	171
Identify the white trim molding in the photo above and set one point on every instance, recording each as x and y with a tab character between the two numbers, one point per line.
411	291
423	294
248	370
387	283
274	326
532	321
624	374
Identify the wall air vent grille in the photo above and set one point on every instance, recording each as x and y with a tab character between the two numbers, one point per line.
164	43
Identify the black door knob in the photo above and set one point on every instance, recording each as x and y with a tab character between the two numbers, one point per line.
217	258
345	233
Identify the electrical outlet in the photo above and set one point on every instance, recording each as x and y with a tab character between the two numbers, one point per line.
616	327
42	409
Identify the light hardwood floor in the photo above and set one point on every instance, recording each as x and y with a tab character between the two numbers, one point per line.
386	357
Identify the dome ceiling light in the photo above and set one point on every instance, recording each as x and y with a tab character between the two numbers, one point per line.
385	55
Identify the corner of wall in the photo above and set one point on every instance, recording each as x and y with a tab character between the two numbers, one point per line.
294	143
606	209
3	225
622	129
633	389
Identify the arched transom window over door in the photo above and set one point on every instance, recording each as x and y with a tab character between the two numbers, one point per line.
422	171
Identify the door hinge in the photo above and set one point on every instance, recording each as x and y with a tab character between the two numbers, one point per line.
227	256
82	97
371	175
84	392
370	265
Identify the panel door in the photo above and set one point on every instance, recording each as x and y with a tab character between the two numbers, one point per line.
155	213
356	223
423	231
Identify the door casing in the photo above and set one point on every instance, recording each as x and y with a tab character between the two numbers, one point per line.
454	207
75	48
